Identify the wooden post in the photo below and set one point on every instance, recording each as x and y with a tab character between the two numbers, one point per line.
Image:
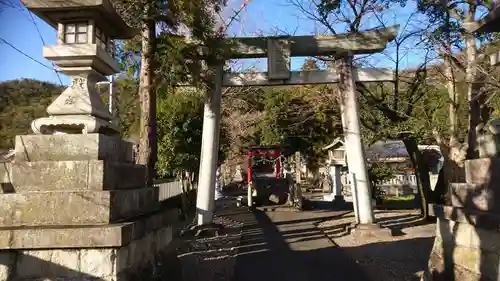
249	178
278	168
353	143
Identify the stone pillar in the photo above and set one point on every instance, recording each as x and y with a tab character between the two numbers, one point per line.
467	244
354	145
336	189
298	168
205	202
337	183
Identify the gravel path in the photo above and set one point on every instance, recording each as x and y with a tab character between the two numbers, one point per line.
404	256
287	246
305	246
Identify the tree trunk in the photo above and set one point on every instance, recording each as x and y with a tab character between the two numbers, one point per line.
472	95
453	101
147	143
421	173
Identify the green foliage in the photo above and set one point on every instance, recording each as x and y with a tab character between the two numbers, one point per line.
128	107
22	101
180	124
377	174
194	17
296	119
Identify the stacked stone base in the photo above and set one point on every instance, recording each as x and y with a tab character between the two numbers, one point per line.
78	209
135	261
467	244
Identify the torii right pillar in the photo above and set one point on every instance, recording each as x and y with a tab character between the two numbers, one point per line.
354	145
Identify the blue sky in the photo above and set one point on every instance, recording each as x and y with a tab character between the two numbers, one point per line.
261	17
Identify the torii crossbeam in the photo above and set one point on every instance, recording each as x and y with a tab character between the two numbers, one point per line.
279	50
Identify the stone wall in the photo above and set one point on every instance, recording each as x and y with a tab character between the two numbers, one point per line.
467	244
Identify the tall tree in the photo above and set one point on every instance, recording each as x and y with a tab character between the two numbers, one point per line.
463	74
158	21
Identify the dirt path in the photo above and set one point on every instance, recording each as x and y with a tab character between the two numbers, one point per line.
401	257
286	246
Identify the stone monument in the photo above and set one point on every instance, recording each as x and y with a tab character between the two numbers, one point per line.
78	207
467	244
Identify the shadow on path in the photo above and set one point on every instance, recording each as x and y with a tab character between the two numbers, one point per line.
285	246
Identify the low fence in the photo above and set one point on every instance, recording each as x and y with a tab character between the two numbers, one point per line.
172	188
168	188
397	186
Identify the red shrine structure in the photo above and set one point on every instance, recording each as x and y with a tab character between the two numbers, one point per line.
263	156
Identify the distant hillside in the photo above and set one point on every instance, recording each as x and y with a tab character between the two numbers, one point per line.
21	101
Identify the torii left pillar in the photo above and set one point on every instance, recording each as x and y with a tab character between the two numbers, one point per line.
205	201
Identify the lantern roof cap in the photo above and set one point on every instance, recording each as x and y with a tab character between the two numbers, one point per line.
101	11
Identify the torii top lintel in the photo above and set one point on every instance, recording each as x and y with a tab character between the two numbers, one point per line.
365	42
490	23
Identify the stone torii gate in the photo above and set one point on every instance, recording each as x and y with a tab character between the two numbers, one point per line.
279	50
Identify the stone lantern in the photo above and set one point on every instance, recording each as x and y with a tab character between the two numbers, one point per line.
84	52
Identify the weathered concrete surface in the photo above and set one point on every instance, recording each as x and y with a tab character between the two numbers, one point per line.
464	252
113	235
75	208
77	175
135	261
5	173
488	145
477	219
483	171
467	246
475	196
72	147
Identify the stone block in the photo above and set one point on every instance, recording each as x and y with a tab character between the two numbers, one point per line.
84	264
5	168
72	147
113	235
477	261
75	175
451	232
482	171
488	146
441	271
75	208
484	220
98	262
475	197
5	177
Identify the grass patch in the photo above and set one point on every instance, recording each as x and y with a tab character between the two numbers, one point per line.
401	198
